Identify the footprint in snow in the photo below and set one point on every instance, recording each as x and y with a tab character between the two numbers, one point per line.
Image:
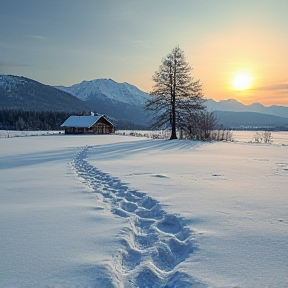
281	169
155	243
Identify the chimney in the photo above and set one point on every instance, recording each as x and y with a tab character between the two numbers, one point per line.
92	113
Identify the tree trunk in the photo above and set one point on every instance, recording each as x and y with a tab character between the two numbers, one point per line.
173	124
173	99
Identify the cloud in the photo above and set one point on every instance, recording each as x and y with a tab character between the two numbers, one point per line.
5	64
272	87
38	37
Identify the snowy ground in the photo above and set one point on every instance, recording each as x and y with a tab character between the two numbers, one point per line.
121	211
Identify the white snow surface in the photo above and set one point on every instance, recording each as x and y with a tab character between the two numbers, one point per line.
121	211
123	92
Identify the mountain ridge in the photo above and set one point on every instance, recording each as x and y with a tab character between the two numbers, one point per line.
120	101
250	120
233	105
18	92
123	92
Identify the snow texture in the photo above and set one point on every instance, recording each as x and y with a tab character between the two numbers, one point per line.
10	81
122	92
81	121
119	211
155	242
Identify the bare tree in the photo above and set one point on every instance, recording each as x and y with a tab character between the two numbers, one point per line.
176	94
265	137
199	124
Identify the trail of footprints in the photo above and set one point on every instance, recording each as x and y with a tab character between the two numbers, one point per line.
155	243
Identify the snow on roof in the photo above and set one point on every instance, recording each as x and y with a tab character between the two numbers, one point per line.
82	121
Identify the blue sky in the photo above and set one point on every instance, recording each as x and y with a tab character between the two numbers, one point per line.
63	42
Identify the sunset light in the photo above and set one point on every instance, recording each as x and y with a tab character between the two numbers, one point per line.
143	143
235	48
242	81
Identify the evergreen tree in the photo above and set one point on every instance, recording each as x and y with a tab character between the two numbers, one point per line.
175	94
20	124
32	120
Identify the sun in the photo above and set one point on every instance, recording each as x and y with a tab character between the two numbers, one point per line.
242	81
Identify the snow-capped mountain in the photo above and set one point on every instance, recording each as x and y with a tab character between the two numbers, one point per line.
10	81
122	92
121	101
118	100
26	94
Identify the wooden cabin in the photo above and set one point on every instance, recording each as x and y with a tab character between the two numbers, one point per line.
97	124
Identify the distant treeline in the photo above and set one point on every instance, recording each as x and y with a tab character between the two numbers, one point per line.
128	125
31	120
46	120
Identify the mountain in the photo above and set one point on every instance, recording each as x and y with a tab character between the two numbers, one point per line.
250	120
26	94
232	105
118	100
123	101
122	92
233	114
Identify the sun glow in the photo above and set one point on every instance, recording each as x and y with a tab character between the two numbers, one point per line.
242	81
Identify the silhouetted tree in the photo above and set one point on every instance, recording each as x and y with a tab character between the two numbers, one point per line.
175	94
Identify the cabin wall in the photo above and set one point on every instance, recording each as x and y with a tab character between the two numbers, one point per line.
98	128
74	130
101	128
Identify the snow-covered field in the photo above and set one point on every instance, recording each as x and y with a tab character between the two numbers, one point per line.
120	211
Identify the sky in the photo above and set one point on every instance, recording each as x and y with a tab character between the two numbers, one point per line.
63	42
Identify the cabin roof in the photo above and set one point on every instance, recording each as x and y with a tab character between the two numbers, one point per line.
83	121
